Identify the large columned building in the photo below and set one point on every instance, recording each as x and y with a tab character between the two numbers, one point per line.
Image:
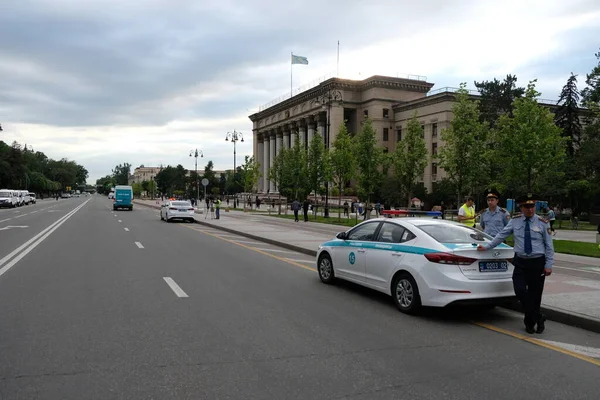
306	113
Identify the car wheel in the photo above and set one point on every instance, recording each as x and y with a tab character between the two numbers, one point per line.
325	269
406	294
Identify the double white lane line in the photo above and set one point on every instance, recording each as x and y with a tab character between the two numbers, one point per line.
8	262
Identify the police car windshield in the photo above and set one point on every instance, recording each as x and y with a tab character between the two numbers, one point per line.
446	233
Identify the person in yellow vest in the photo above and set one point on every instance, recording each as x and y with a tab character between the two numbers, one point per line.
466	213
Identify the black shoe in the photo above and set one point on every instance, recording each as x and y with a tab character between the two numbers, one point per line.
541	325
530	329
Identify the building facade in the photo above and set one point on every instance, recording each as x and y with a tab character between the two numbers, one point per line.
387	101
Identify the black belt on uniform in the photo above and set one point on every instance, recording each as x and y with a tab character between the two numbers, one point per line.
530	256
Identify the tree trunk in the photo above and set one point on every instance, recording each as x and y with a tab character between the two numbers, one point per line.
340	204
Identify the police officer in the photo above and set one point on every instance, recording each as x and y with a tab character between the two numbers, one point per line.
534	256
494	218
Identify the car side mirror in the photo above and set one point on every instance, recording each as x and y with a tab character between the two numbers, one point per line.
342	235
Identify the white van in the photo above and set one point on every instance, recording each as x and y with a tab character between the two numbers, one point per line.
8	198
24	198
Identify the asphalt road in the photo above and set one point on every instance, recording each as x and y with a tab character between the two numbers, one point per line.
124	306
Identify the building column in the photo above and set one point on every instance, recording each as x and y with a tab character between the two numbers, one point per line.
322	127
293	131
302	134
286	137
311	132
266	162
271	158
259	159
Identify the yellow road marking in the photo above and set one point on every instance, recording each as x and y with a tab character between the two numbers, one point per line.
480	324
538	342
253	249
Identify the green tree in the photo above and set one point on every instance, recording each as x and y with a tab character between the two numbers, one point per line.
121	173
531	146
497	98
343	161
566	116
463	157
410	158
137	189
591	94
250	174
370	159
151	188
318	165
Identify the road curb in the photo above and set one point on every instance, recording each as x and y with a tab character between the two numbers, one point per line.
552	313
557	314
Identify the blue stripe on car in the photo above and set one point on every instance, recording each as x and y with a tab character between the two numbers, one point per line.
381	246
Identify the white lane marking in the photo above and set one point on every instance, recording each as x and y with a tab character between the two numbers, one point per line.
138	244
584	350
34	241
175	287
10	227
276	251
233	236
120	221
7	219
19	216
302	261
33	212
126	229
247	241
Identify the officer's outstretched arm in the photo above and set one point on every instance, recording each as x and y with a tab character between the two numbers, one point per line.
501	236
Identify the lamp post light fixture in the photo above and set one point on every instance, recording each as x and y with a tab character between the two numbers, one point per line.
234	137
326	98
194	153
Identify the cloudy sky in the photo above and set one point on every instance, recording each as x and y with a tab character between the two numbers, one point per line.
104	82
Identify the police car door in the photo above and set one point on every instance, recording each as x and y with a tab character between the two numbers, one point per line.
387	255
352	258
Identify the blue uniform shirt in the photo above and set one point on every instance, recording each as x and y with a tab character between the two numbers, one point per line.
493	222
541	241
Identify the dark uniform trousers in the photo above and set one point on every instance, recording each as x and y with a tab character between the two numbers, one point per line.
528	282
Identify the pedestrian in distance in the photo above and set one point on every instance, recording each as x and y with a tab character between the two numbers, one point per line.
534	256
296	208
494	218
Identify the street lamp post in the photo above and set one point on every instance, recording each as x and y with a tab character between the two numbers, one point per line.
234	137
326	98
194	153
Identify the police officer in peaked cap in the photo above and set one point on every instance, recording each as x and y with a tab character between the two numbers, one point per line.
534	256
493	219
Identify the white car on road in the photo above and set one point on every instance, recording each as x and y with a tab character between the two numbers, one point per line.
177	209
420	262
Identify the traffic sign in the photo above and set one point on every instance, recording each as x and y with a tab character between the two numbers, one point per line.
204	182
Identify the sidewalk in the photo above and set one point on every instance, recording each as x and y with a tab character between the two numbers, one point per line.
568	299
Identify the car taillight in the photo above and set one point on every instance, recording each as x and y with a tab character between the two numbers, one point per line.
172	208
447	258
190	209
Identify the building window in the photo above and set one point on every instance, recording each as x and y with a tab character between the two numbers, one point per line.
398	134
422	131
386	134
386	113
434	149
433	169
434	130
366	113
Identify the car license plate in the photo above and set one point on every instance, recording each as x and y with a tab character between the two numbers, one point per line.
182	210
493	266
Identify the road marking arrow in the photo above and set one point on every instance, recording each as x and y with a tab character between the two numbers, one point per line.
10	227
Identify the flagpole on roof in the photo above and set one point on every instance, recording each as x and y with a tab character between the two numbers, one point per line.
338	61
291	72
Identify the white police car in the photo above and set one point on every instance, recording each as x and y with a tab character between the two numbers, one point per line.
420	262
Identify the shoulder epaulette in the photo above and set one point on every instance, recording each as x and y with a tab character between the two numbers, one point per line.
502	209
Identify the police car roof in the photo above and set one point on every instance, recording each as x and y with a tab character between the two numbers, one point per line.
420	221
